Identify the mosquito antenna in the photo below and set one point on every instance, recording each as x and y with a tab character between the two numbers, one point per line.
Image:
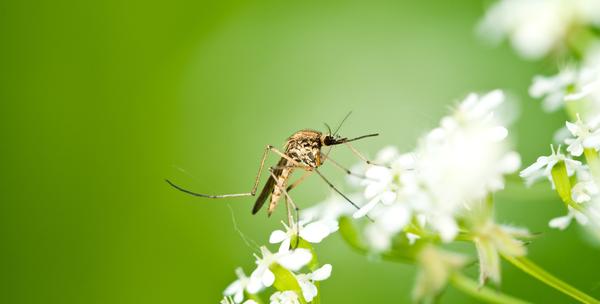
341	123
328	128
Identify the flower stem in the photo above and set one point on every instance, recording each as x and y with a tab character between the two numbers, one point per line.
537	272
484	294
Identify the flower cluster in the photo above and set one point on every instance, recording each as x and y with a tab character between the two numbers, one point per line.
575	182
565	29
453	167
281	269
438	191
538	27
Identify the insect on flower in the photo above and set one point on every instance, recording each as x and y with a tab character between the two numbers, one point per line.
303	151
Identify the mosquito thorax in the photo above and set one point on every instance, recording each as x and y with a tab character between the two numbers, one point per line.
305	147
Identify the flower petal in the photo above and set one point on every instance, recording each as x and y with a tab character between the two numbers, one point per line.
561	222
255	283
447	228
315	232
309	290
539	164
268	278
322	273
277	236
233	288
285	245
295	259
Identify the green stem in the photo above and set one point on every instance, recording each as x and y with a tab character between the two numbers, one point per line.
484	294
537	272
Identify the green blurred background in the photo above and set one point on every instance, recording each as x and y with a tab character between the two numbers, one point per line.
103	100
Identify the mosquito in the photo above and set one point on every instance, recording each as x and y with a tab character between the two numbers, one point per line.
303	151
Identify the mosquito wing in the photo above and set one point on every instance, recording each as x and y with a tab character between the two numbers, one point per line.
268	188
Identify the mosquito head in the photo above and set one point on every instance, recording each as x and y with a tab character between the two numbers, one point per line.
332	140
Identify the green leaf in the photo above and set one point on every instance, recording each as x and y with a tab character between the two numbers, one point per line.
285	280
350	235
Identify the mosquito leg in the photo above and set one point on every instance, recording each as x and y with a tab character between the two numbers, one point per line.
289	188
208	195
289	204
251	193
288	201
299	181
362	157
338	191
335	163
262	165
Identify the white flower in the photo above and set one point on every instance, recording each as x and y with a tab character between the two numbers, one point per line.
263	276
544	164
236	289
586	85
388	222
467	156
461	161
585	136
477	108
535	27
560	88
284	297
392	193
384	185
583	191
313	232
562	222
306	281
586	188
445	225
